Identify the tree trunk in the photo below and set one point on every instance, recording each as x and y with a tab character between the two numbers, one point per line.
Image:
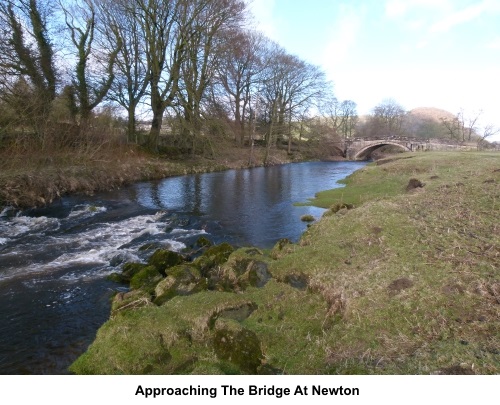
131	130
154	133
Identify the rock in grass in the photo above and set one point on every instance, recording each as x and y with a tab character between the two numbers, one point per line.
281	248
337	207
238	345
130	300
184	279
212	257
414	184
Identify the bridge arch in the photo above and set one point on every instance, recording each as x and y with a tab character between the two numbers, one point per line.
363	153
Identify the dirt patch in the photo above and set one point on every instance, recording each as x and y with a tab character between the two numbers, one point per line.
456	370
414	184
399	285
450	289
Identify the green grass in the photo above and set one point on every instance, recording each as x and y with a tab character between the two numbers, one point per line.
404	283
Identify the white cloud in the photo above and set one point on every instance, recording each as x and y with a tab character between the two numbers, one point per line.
343	38
494	44
401	8
460	16
262	11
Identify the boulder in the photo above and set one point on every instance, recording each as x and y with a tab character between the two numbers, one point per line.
183	279
238	345
163	259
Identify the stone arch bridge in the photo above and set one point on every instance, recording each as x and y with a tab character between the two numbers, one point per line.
361	149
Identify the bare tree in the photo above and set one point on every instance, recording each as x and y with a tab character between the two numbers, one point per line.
341	116
489	130
131	81
27	54
349	118
452	127
238	72
388	116
93	74
462	127
468	124
291	84
209	19
163	24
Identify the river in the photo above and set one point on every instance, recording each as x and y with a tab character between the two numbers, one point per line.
54	261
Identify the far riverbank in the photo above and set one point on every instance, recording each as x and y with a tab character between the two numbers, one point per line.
35	180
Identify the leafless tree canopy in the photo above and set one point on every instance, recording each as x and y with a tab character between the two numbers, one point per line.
190	69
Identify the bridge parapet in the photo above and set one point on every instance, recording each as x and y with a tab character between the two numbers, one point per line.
360	149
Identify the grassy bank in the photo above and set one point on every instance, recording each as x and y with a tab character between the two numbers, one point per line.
35	178
404	281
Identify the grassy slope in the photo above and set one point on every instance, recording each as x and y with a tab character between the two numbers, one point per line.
403	283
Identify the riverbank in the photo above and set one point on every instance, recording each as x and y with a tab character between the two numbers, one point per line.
36	179
399	277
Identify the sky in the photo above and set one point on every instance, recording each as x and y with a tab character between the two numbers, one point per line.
421	53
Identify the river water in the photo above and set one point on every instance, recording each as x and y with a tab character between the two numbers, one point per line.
54	261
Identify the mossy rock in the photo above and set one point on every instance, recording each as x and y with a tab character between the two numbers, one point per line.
213	256
146	279
184	272
203	242
238	345
130	300
337	207
245	267
163	259
129	270
181	280
307	218
116	277
165	290
281	248
219	253
256	275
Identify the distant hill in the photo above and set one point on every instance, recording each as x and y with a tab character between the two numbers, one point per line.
432	113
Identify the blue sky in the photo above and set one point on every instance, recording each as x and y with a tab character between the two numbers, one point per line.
422	53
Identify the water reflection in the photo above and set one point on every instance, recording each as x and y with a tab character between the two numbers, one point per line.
254	205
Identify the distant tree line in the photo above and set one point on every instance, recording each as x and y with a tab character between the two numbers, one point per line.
389	119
